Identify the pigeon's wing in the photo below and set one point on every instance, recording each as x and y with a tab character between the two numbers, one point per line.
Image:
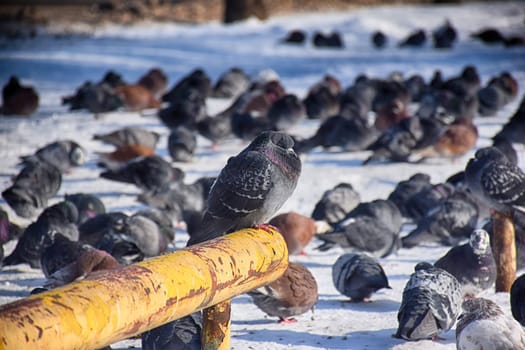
242	186
503	182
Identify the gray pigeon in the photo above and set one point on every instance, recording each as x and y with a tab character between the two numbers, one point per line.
430	305
63	155
32	188
251	187
517	299
294	293
151	174
60	253
483	325
182	143
231	84
371	227
181	334
408	188
286	112
427	199
471	263
336	203
450	222
495	180
147	234
88	205
357	276
130	136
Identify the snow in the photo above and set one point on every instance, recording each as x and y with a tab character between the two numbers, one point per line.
56	65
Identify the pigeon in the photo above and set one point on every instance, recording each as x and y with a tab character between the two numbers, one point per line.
248	125
379	39
406	189
517	299
130	136
123	154
155	81
88	263
371	227
60	218
149	237
182	143
451	221
296	229
418	205
88	205
330	40
188	110
32	188
136	97
63	155
415	39
151	174
286	112
514	129
231	84
483	325
163	219
500	90
181	334
416	86
471	263
121	246
357	276
197	80
496	181
322	100
8	230
295	36
444	36
96	97
92	230
60	253
430	305
336	203
18	99
292	294
251	187
488	36
215	128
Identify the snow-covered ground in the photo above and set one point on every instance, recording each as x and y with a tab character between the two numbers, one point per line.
57	65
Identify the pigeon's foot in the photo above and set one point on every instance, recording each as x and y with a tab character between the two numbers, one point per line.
287	320
266	227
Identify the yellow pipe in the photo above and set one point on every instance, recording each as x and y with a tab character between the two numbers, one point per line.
95	312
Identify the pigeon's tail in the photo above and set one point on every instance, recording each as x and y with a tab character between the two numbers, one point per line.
306	145
28	160
416	237
12	259
330	240
116	175
377	156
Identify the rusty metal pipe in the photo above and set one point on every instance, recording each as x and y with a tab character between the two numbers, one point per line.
95	312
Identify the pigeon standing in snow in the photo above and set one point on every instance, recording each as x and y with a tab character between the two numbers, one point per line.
60	253
444	36
430	305
493	179
251	187
18	99
286	112
88	205
296	229
517	299
471	263
371	227
336	203
184	333
294	293
406	189
61	154
152	174
231	84
182	143
357	276
483	325
130	136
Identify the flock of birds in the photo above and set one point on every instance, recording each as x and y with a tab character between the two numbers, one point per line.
76	237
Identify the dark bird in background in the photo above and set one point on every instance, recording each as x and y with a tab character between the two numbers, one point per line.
371	227
488	36
198	81
18	99
471	263
231	84
498	92
60	253
484	325
422	202
286	112
251	187
136	97
182	143
296	229
379	39
444	36
149	174
292	294
88	205
63	155
336	203
8	231
330	40
123	154
130	136
496	181
188	109
322	99
517	299
417	38
450	222
34	185
514	129
430	305
155	81
357	276
181	334
295	36
406	189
